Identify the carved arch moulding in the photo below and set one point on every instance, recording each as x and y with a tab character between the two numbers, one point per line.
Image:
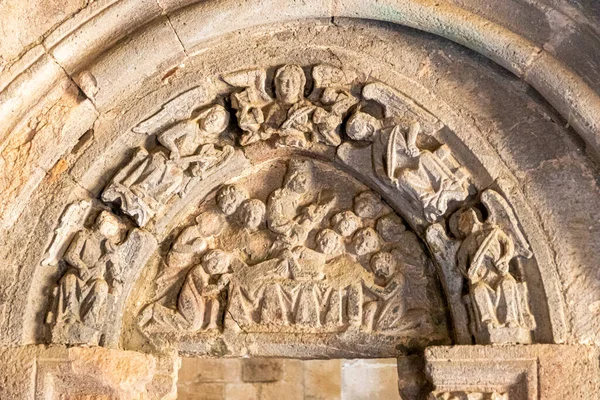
306	186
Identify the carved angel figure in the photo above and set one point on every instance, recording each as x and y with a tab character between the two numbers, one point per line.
296	120
149	180
431	179
80	300
144	185
497	302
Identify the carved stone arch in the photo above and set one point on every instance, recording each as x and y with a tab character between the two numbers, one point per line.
480	132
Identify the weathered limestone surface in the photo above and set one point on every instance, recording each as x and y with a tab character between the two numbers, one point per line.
337	179
519	372
36	372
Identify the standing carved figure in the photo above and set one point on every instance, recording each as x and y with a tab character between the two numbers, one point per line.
80	301
497	302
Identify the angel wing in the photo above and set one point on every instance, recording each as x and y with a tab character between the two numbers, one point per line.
71	221
177	109
502	215
254	81
392	101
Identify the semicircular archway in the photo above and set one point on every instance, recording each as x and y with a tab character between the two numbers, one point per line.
124	133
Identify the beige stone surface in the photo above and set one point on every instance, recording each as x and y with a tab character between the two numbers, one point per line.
524	372
240	181
34	372
370	379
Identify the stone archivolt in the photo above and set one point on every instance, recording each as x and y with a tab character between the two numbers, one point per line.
205	239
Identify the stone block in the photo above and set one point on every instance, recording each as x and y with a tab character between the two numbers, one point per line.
201	391
322	379
280	390
262	370
549	372
375	379
35	371
198	370
241	391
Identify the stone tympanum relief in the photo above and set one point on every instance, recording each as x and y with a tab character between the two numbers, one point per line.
100	262
284	248
196	140
151	179
302	257
487	253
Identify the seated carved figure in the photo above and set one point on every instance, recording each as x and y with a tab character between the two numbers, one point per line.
430	179
497	300
81	298
292	219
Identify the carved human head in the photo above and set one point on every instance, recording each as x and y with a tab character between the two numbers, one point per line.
365	241
346	223
289	84
110	227
390	227
216	262
210	224
383	265
214	119
252	213
329	242
367	204
465	222
230	197
298	177
362	126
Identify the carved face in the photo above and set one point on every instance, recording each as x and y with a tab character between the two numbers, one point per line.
390	227
252	213
365	241
329	242
216	262
215	120
367	205
467	222
346	223
289	84
362	126
383	265
230	198
109	226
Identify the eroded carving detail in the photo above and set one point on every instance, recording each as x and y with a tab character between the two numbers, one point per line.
294	119
295	261
98	272
468	395
485	254
430	179
150	179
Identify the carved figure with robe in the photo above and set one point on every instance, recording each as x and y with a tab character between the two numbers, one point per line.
81	297
498	303
199	302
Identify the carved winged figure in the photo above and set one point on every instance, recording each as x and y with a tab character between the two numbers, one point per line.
80	300
431	179
150	180
497	302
